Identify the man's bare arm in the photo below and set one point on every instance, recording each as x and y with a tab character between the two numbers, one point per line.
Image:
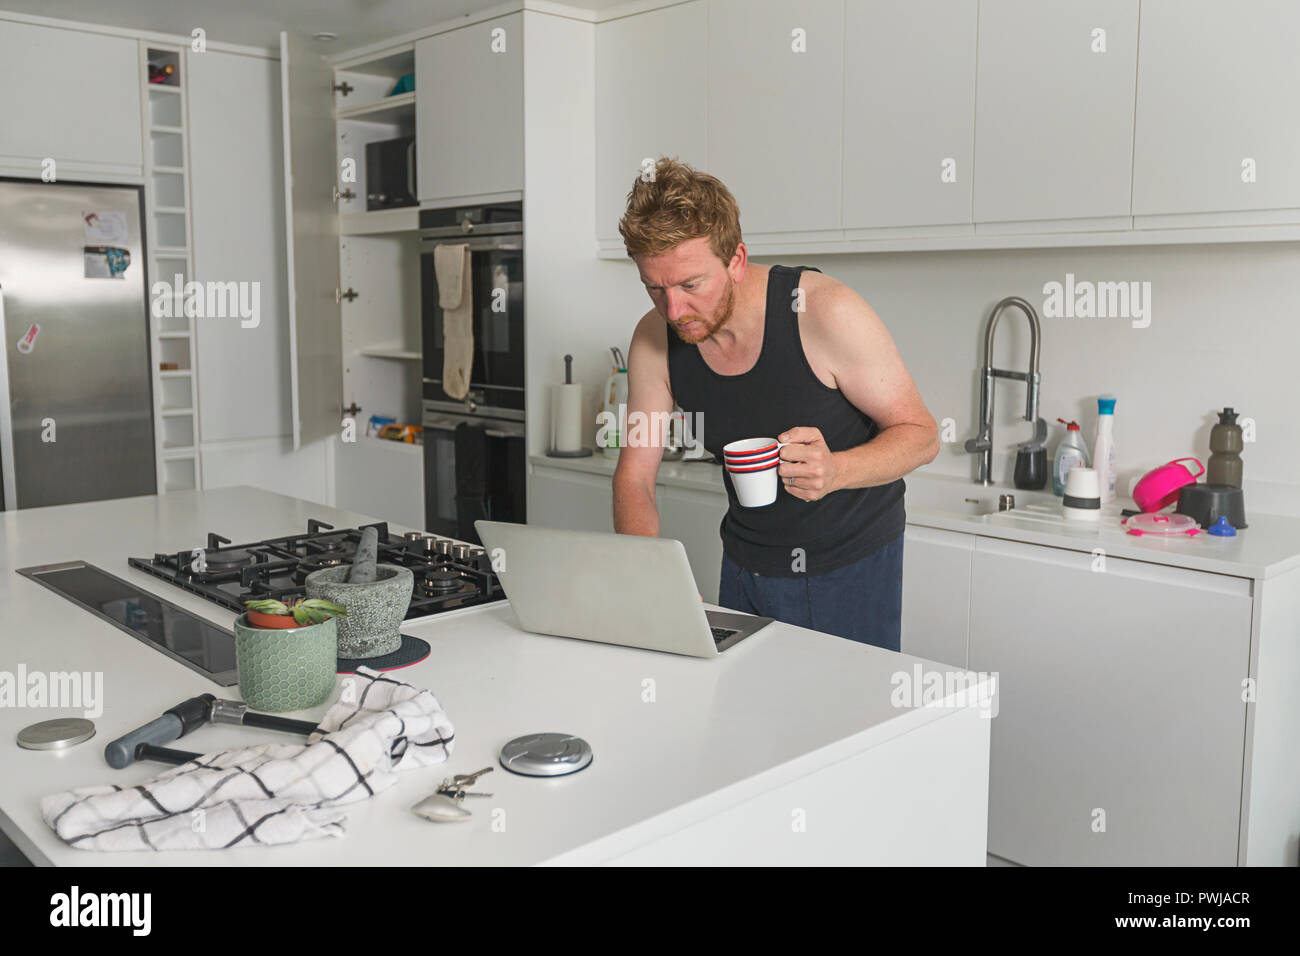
647	392
871	375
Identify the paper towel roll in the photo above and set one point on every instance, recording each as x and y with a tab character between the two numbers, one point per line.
566	417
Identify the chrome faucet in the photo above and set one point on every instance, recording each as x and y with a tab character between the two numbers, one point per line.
982	444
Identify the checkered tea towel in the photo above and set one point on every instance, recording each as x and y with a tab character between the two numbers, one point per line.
269	794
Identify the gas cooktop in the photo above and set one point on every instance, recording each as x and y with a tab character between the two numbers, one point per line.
448	574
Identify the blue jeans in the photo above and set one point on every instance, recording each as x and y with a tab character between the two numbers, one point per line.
862	601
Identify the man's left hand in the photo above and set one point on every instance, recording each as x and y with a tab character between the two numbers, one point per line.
808	468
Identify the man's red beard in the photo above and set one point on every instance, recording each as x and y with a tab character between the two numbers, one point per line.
707	327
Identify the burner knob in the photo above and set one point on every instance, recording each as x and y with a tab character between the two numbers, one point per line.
414	536
443	546
460	552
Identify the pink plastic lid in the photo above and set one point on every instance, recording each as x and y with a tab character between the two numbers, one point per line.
1162	524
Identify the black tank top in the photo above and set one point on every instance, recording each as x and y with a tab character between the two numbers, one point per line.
777	394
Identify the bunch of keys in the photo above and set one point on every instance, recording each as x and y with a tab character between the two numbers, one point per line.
444	804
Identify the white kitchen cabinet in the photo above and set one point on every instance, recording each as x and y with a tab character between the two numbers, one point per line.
559	498
470	110
563	498
70	96
1218	96
775	100
380	478
312	242
693	517
239	236
644	110
1054	114
936	594
909	112
1119	733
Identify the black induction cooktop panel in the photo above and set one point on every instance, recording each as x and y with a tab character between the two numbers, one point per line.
183	636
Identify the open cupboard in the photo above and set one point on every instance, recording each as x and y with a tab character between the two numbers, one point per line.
355	321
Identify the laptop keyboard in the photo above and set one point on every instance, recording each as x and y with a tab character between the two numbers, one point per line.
722	633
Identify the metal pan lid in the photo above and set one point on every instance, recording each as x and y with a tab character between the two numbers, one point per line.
57	734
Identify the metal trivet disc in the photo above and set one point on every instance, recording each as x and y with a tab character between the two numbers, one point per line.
546	755
57	734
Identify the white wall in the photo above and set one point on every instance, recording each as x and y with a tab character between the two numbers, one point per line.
272	464
574	302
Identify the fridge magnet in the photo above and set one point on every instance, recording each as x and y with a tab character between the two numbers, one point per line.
106	262
104	227
28	341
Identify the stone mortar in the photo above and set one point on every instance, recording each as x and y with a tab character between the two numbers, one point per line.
375	610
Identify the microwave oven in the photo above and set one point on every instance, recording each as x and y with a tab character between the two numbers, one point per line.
390	173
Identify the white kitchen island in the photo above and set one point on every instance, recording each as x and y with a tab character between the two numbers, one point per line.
787	749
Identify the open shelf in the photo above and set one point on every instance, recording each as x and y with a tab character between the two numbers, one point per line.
392	63
391	109
177	396
161	59
379	222
167	208
392	352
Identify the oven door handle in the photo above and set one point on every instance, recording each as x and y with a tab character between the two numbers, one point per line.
448	423
475	245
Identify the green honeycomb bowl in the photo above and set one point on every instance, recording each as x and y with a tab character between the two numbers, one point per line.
293	668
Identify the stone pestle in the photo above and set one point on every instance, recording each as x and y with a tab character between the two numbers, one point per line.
363	563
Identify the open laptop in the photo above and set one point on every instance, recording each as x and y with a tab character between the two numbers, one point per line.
613	588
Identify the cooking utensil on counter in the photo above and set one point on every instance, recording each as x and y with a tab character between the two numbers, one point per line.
375	609
1159	487
145	743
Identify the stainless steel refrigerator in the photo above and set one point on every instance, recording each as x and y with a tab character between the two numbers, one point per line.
76	405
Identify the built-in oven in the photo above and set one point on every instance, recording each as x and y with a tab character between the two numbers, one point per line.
474	448
474	467
495	237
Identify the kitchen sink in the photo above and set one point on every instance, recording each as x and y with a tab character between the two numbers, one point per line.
1033	512
969	499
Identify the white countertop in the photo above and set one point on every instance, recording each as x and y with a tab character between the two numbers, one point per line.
699	475
1268	547
771	709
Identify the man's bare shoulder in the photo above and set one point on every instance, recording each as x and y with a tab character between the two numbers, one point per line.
651	332
832	309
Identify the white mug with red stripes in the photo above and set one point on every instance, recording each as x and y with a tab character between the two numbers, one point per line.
752	464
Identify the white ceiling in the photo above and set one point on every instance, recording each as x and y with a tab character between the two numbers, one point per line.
259	22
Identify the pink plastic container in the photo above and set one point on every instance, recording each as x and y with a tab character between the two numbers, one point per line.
1159	487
